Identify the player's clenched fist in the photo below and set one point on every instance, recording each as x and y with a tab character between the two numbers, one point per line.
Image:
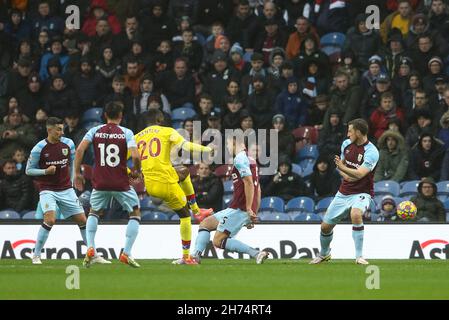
51	170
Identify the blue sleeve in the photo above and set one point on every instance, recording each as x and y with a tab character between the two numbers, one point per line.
89	136
345	143
130	141
371	157
241	163
72	147
32	168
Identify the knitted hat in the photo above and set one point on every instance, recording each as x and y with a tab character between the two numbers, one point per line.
435	59
237	48
388	200
278	118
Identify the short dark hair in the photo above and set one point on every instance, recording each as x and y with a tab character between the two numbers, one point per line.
113	109
154	117
53	121
243	3
206	96
359	124
387	95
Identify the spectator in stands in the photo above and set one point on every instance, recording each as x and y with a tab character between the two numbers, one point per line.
24	51
54	25
15	134
231	119
421	104
285	140
387	210
232	91
401	76
39	125
178	85
246	121
88	85
371	100
19	156
362	41
99	10
236	62
346	65
394	53
400	19
73	129
102	37
189	49
163	59
131	32
205	106
443	134
16	28
31	97
156	25
375	71
314	81
269	39
214	121
439	18
57	51
60	99
122	94
430	208
18	80
325	180
344	99
108	66
317	111
42	44
140	120
445	167
16	188
387	110
422	54
310	51
240	24
422	125
292	105
133	77
208	188
393	157
136	53
435	71
437	101
260	103
147	90
257	69
303	28
332	135
216	30
420	27
285	183
276	59
426	158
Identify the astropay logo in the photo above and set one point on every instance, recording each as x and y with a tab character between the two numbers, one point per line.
430	249
23	249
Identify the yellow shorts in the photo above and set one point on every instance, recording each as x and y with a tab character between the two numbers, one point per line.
171	193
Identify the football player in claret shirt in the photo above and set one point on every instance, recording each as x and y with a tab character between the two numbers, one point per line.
242	210
356	165
51	163
110	180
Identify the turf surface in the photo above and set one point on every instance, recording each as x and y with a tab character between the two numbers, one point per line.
226	279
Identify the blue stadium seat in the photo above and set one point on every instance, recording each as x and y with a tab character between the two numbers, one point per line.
228	187
92	115
272	204
443	188
303	204
442	198
447	216
247	56
181	114
335	39
29	215
177	125
387	187
307	170
323	204
446	205
9	214
308	152
227	200
308	217
296	168
174	217
409	188
154	216
147	203
330	50
274	216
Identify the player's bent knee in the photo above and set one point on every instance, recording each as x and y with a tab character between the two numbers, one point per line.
182	172
219	240
183	212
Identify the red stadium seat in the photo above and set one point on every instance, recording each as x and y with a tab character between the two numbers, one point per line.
308	133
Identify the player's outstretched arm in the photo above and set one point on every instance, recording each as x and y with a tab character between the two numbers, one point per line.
79	155
249	196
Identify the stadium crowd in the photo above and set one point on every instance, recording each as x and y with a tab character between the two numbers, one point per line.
302	67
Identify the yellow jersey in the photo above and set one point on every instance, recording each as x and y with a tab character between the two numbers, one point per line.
155	144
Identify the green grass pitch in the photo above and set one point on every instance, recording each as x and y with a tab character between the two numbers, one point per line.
226	279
